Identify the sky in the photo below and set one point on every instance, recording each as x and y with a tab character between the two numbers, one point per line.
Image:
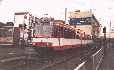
103	9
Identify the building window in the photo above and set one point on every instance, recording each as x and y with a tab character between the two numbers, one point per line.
78	23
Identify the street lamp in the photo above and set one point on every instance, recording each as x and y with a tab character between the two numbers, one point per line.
24	25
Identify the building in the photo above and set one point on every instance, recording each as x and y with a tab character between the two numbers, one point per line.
85	21
25	19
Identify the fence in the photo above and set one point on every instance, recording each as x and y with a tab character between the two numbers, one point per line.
81	66
93	62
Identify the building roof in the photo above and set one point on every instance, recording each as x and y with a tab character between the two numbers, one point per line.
21	13
78	14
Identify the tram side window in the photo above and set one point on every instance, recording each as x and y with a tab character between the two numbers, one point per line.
57	32
65	33
70	34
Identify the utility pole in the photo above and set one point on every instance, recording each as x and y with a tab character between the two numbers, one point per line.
23	29
65	15
24	25
110	30
104	31
1	1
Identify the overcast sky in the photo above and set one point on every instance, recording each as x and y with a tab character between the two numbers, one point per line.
55	8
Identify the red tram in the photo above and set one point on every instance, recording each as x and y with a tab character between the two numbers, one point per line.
59	37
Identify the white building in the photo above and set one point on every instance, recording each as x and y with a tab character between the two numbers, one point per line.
21	18
85	21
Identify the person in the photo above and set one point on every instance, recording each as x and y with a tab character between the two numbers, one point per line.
29	35
78	34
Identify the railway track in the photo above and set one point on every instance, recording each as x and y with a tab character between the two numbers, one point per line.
74	59
69	58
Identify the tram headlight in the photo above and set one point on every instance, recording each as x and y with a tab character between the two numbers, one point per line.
33	43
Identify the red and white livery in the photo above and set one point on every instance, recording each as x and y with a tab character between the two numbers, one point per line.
59	37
